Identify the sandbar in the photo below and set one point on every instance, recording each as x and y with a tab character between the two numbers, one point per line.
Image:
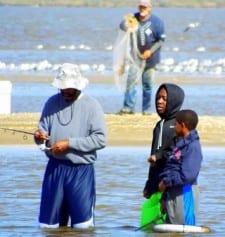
122	130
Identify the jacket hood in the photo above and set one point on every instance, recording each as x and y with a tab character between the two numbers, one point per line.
175	98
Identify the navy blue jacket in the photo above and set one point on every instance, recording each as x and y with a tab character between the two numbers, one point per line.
184	162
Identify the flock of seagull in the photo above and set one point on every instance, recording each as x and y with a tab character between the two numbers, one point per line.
193	65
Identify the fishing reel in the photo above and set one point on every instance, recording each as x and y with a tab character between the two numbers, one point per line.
43	147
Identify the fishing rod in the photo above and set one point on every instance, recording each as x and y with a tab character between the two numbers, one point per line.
42	146
19	131
16	130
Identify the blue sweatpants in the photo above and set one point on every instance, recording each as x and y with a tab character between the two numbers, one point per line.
68	190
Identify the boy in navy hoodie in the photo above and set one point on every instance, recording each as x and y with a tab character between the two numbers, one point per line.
179	176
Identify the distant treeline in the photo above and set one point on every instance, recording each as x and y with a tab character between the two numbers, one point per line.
116	3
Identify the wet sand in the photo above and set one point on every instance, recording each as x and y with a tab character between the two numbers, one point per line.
125	130
131	130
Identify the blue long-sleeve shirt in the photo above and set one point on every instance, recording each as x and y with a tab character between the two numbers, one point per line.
81	122
184	163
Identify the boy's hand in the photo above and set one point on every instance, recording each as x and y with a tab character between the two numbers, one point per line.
163	206
152	160
162	186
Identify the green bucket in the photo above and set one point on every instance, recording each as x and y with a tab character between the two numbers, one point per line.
150	212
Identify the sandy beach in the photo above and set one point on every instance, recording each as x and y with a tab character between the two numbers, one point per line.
95	78
125	130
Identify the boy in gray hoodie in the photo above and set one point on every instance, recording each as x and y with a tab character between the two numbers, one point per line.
168	101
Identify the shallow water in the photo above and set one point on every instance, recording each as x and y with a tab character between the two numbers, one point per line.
120	174
36	44
204	99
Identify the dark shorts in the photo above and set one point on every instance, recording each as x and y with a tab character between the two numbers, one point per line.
68	191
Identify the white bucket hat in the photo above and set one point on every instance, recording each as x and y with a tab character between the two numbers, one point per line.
145	3
69	76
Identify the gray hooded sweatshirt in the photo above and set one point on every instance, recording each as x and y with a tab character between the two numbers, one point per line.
164	133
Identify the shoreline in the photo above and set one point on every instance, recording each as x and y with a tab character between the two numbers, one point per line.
108	78
123	130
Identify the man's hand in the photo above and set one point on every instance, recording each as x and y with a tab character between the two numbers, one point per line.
147	54
60	146
40	135
121	70
131	22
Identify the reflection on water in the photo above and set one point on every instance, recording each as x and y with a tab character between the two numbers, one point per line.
120	174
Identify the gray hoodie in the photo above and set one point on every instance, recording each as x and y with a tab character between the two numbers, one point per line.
164	133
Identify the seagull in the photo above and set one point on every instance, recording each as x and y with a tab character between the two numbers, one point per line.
191	25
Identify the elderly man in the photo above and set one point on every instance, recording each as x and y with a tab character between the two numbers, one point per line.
150	37
73	128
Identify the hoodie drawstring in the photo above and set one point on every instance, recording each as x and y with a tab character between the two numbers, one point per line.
160	134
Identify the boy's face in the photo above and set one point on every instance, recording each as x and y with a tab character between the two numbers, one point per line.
161	101
181	129
178	128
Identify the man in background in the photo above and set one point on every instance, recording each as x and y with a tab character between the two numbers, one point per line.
150	37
